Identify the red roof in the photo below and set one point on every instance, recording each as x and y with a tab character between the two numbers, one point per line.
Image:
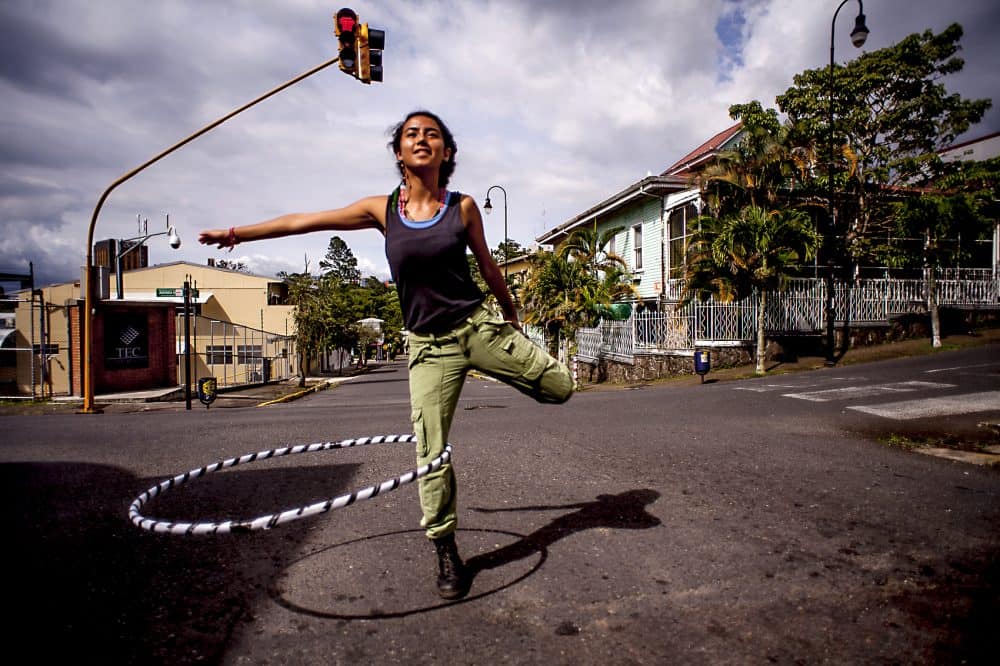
706	150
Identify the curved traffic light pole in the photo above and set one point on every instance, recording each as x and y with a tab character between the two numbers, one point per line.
88	327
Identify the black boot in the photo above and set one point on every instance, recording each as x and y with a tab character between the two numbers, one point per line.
453	579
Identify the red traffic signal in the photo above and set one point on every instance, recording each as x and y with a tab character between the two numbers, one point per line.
345	22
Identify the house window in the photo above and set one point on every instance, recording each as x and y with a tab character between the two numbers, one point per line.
681	226
637	244
219	354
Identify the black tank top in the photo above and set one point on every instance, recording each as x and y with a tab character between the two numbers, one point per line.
428	264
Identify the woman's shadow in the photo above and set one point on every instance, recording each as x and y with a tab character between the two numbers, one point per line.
625	510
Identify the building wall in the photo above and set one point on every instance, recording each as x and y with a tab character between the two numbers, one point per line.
646	212
984	148
237	298
240	298
58	300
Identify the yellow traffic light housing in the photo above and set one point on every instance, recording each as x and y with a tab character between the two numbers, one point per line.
370	45
360	47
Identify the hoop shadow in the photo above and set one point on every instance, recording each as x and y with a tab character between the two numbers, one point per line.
424	602
625	510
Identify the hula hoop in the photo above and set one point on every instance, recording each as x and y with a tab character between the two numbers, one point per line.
273	520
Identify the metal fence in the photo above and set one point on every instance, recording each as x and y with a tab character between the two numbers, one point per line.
21	349
799	309
235	354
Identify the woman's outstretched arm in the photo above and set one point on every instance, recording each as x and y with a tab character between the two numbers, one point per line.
367	213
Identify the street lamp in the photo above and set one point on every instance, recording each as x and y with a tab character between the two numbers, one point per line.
90	297
858	37
488	207
170	233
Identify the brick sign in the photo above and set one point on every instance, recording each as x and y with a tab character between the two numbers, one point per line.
126	341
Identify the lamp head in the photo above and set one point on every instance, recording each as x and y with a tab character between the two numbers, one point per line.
173	238
860	32
488	207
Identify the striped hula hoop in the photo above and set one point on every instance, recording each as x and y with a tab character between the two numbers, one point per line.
273	520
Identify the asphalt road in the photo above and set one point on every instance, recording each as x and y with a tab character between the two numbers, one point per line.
761	521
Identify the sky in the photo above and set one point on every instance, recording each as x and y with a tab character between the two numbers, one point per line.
561	104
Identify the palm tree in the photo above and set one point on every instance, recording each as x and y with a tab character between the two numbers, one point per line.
554	296
588	246
745	253
610	272
563	296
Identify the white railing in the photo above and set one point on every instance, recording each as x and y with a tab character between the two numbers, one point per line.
588	344
799	308
962	292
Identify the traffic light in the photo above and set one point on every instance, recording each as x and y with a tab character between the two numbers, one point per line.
360	47
345	24
370	45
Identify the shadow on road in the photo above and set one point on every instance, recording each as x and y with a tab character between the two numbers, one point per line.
84	582
626	510
397	582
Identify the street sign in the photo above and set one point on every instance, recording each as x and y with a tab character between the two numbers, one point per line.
170	292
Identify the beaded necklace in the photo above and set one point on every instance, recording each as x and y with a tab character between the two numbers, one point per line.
403	198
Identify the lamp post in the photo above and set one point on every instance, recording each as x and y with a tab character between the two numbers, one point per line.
858	37
170	233
90	297
488	207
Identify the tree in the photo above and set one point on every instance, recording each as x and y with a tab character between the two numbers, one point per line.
310	328
745	253
562	296
947	222
766	165
510	249
589	246
554	296
340	263
892	114
232	265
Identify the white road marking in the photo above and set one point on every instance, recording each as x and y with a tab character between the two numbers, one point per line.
764	388
968	403
850	392
770	387
960	367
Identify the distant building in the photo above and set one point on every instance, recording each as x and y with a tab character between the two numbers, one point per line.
984	148
242	330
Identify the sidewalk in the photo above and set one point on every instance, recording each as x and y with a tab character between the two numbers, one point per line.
855	355
173	397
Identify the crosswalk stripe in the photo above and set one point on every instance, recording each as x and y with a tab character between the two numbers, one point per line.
765	388
960	367
929	407
850	392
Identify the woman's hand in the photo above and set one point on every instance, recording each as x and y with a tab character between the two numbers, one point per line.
221	237
516	324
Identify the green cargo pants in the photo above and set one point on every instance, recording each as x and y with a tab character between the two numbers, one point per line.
438	366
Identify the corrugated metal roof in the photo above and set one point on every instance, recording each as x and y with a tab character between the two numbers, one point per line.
706	150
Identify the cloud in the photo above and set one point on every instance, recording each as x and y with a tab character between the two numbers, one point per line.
561	103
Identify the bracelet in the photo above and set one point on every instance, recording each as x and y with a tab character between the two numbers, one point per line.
231	240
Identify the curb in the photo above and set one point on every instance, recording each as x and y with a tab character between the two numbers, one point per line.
298	394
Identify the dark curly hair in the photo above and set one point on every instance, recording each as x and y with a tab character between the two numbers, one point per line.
448	166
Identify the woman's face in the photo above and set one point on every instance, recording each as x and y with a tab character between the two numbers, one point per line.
422	145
